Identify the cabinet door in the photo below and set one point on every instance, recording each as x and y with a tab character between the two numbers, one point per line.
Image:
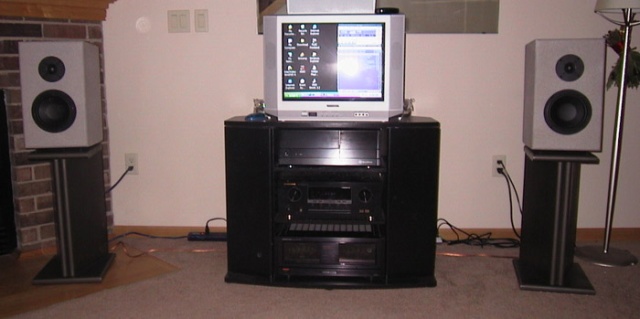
412	202
249	160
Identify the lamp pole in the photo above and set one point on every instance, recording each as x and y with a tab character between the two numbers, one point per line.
608	256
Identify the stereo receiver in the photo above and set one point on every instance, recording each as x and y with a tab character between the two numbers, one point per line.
308	200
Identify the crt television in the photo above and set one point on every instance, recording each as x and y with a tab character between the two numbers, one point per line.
334	67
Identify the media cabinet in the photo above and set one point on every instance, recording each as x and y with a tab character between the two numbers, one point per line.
332	204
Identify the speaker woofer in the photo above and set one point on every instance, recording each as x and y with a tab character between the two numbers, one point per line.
51	69
53	111
567	112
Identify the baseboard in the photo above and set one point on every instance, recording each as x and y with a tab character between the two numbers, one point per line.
582	234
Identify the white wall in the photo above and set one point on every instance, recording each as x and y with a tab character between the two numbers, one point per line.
169	93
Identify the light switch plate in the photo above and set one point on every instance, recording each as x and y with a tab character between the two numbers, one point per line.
201	20
178	21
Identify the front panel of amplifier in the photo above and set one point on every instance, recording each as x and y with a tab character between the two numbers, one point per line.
330	256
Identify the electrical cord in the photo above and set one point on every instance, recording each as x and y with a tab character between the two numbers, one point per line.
124	246
206	229
505	172
472	239
463	237
129	169
126	250
206	225
510	185
145	235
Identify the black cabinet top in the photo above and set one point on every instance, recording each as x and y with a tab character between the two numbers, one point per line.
407	121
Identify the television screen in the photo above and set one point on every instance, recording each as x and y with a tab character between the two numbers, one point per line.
332	61
328	67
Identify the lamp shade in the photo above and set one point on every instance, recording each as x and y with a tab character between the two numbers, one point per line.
616	6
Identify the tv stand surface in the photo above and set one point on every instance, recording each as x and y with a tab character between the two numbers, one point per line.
299	215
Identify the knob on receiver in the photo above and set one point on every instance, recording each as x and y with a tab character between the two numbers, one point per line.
294	194
365	195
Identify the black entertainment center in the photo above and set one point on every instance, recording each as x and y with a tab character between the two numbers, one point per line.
332	204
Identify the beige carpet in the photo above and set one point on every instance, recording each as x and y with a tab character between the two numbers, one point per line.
18	294
473	282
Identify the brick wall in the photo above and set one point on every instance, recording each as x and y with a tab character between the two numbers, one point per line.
32	184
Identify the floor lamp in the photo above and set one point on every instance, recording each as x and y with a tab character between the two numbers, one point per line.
607	256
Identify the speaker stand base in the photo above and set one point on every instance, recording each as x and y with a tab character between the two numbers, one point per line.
612	258
576	282
52	273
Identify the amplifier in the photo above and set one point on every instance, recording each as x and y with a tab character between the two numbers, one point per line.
317	249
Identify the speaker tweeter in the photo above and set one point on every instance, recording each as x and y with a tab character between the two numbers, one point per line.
569	67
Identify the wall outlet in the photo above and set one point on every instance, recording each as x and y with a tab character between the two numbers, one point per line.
131	160
495	160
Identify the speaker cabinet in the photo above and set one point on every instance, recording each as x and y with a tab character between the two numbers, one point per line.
249	160
8	239
412	203
61	99
563	94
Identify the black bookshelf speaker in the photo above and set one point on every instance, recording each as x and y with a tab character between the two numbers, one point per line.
563	94
61	94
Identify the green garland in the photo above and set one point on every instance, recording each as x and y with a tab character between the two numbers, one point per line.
615	40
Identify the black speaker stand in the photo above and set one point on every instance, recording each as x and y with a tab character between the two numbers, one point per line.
549	218
80	216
